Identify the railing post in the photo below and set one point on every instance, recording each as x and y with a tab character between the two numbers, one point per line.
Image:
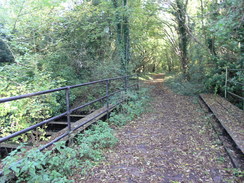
226	81
107	97
138	84
126	87
67	93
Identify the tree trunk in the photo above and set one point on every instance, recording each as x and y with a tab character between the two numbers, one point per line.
183	35
126	32
168	62
202	20
123	36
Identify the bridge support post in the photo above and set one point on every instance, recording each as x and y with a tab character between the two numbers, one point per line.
138	84
125	88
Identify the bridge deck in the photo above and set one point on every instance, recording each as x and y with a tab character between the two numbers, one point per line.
76	124
230	117
97	114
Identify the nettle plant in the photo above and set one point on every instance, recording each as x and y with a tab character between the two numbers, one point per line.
99	136
36	166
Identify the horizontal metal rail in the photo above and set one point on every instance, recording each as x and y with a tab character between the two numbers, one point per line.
236	82
242	98
99	81
233	82
87	104
8	99
235	69
31	127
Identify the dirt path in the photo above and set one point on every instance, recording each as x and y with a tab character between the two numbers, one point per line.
171	143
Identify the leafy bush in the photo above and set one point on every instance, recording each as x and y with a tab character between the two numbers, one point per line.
99	136
181	86
17	115
134	106
49	166
38	166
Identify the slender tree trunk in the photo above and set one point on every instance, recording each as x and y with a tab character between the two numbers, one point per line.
242	54
202	21
183	35
18	16
119	33
241	35
123	36
168	61
126	32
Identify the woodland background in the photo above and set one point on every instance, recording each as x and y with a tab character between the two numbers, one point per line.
46	44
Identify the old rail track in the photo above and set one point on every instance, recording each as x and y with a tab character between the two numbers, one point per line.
229	125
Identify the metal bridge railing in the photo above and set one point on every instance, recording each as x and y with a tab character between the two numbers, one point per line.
233	82
67	89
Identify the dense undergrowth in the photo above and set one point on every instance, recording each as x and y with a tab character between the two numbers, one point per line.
180	85
59	164
198	85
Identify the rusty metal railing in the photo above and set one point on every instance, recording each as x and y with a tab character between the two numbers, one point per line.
68	111
227	81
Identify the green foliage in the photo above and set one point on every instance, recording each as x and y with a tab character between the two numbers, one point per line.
147	33
17	115
5	53
69	43
62	162
180	85
236	172
224	29
38	166
215	81
215	33
135	105
99	136
49	166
